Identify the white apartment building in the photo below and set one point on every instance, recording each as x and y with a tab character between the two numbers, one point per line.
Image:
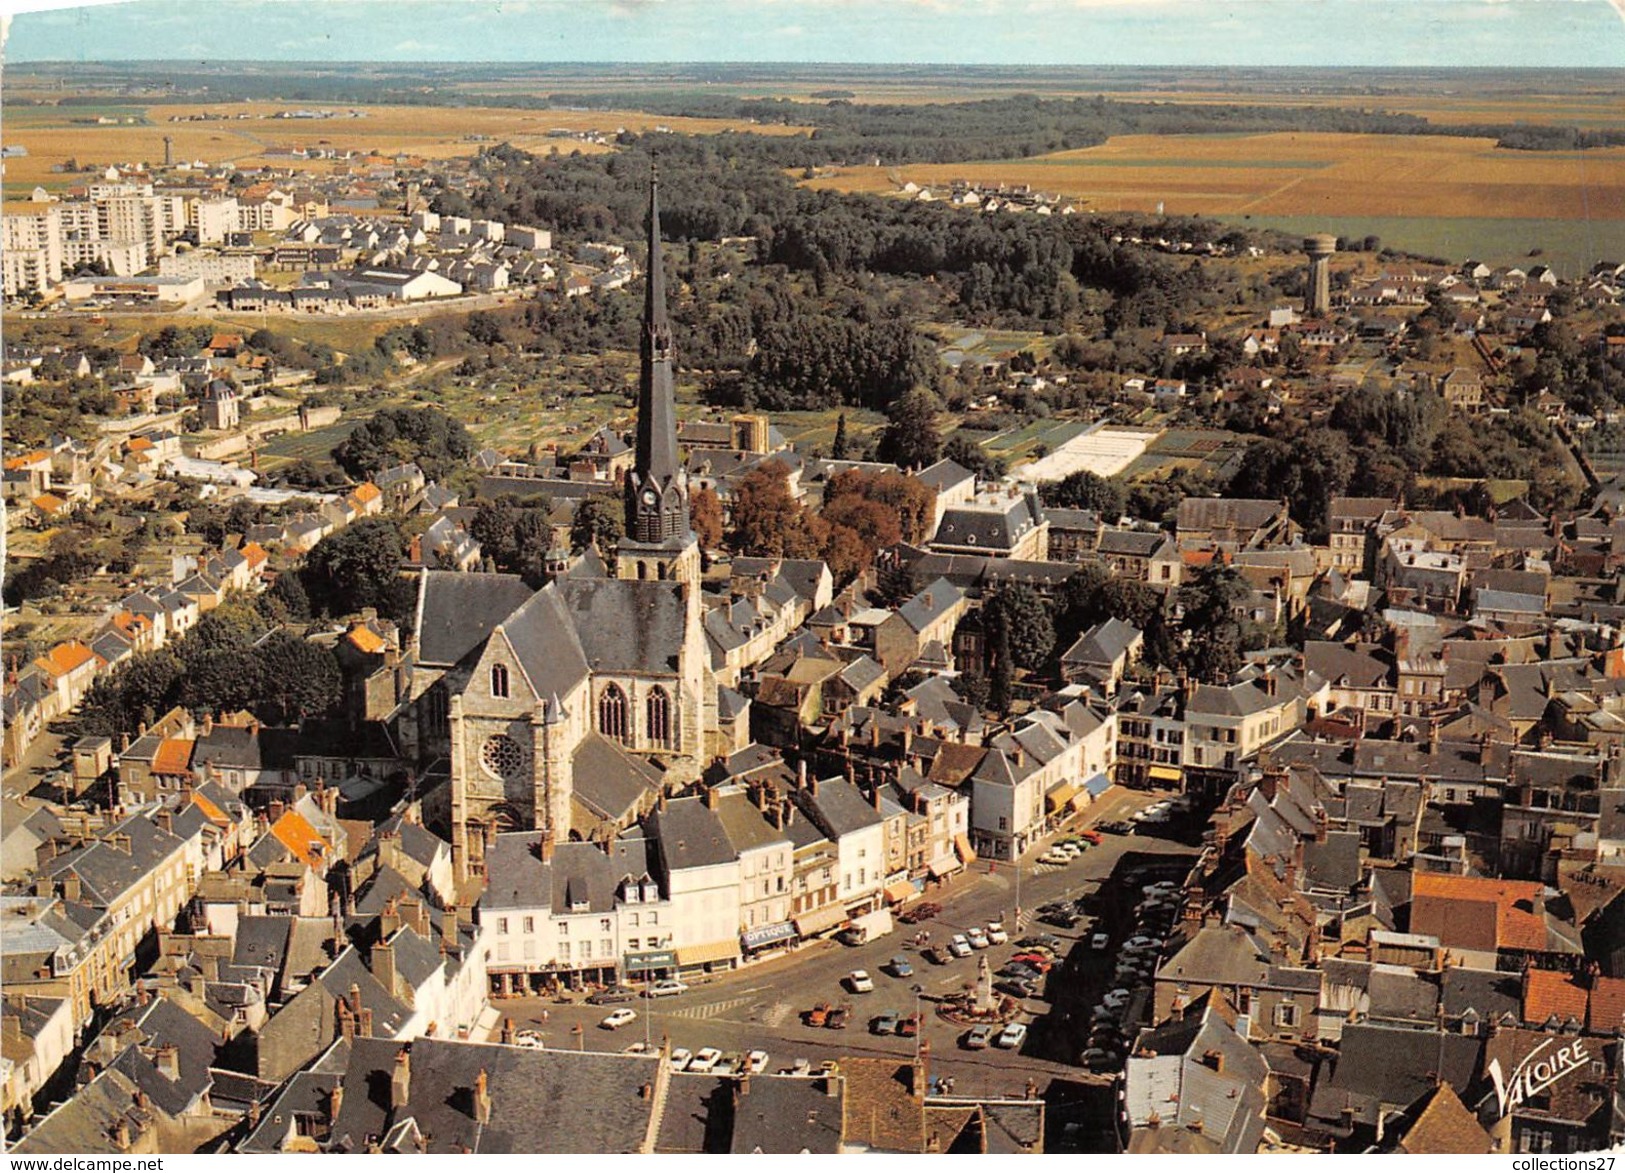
213	219
213	267
31	250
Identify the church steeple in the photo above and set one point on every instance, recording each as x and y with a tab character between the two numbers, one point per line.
657	487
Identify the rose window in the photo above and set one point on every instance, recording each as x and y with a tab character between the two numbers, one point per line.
503	757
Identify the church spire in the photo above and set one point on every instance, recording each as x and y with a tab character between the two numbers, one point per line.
657	488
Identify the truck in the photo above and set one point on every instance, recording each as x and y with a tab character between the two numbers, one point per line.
868	927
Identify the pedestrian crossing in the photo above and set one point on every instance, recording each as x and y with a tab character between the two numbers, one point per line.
712	1009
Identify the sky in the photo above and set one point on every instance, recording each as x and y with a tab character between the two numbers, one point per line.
1543	33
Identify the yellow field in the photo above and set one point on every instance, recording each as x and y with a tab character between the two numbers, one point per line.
1297	175
430	131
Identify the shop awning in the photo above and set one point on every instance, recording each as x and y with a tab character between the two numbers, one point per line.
900	890
1166	773
653	960
1097	785
962	845
1058	798
820	920
705	954
768	935
943	867
1080	800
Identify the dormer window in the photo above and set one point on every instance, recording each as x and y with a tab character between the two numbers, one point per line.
499	681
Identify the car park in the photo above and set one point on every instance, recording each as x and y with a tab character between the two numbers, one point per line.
900	967
996	933
680	1058
705	1060
859	982
667	988
755	1062
884	1024
618	1018
1012	1036
977	938
959	946
979	1038
613	996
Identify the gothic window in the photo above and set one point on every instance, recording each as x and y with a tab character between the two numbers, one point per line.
499	680
612	720
502	757
659	717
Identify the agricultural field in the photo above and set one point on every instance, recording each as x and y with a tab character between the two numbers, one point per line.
50	135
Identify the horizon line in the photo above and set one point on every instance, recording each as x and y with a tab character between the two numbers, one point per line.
1566	70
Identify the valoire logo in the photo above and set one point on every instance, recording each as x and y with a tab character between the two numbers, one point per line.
1534	1075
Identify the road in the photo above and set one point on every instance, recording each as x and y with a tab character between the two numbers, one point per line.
762	1005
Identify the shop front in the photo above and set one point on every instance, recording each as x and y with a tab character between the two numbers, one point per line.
651	965
759	942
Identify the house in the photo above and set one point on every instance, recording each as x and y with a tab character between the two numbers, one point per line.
1462	388
1101	654
929	617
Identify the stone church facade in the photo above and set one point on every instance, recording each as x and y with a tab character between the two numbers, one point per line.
568	710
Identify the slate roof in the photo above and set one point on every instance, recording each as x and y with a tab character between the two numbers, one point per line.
839	807
690	835
624	626
1443	1126
930	604
456	612
785	1114
609	781
993	527
547	644
1103	643
540	1101
1385	1066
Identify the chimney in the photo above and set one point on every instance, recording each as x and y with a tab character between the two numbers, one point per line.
277	809
712	800
346	1020
389	920
448	928
544	848
168	1061
363	1024
335	1102
121	1134
400	1081
72	889
801	773
744	1085
383	966
355	998
165	821
1018	755
208	723
482	1098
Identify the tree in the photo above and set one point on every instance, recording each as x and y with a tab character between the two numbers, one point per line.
972	457
1214	635
289	590
911	439
767	520
705	515
1086	490
397	435
599	521
515	534
299	676
837	450
359	567
222	679
1022	619
999	685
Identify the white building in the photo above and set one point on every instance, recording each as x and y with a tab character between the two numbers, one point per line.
213	267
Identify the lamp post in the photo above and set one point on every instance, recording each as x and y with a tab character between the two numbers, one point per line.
581	1037
919	1024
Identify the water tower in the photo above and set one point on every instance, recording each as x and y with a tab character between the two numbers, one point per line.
169	151
1317	298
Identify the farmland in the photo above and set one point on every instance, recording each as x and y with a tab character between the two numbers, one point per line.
51	136
1428	193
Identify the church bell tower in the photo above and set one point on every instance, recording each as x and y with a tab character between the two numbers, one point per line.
659	542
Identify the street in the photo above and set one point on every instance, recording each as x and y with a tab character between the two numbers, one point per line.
763	1005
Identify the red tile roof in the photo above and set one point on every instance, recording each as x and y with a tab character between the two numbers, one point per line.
299	837
1438	900
1607	1005
174	756
65	658
1548	992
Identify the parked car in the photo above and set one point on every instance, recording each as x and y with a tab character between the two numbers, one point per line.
959	946
829	1067
799	1067
1012	1036
680	1058
938	955
1041	941
884	1024
1018	969
1142	943
979	1038
1117	827
529	1040
1098	1058
899	967
613	996
1062	918
922	911
705	1060
1055	858
1116	999
838	1018
755	1062
977	938
640	1048
1016	987
1042	962
733	1063
996	933
909	1027
667	988
859	982
618	1018
1100	941
818	1015
1091	836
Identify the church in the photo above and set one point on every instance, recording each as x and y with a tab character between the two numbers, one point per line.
569	710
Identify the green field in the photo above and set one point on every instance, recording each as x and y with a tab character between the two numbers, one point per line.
1569	246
